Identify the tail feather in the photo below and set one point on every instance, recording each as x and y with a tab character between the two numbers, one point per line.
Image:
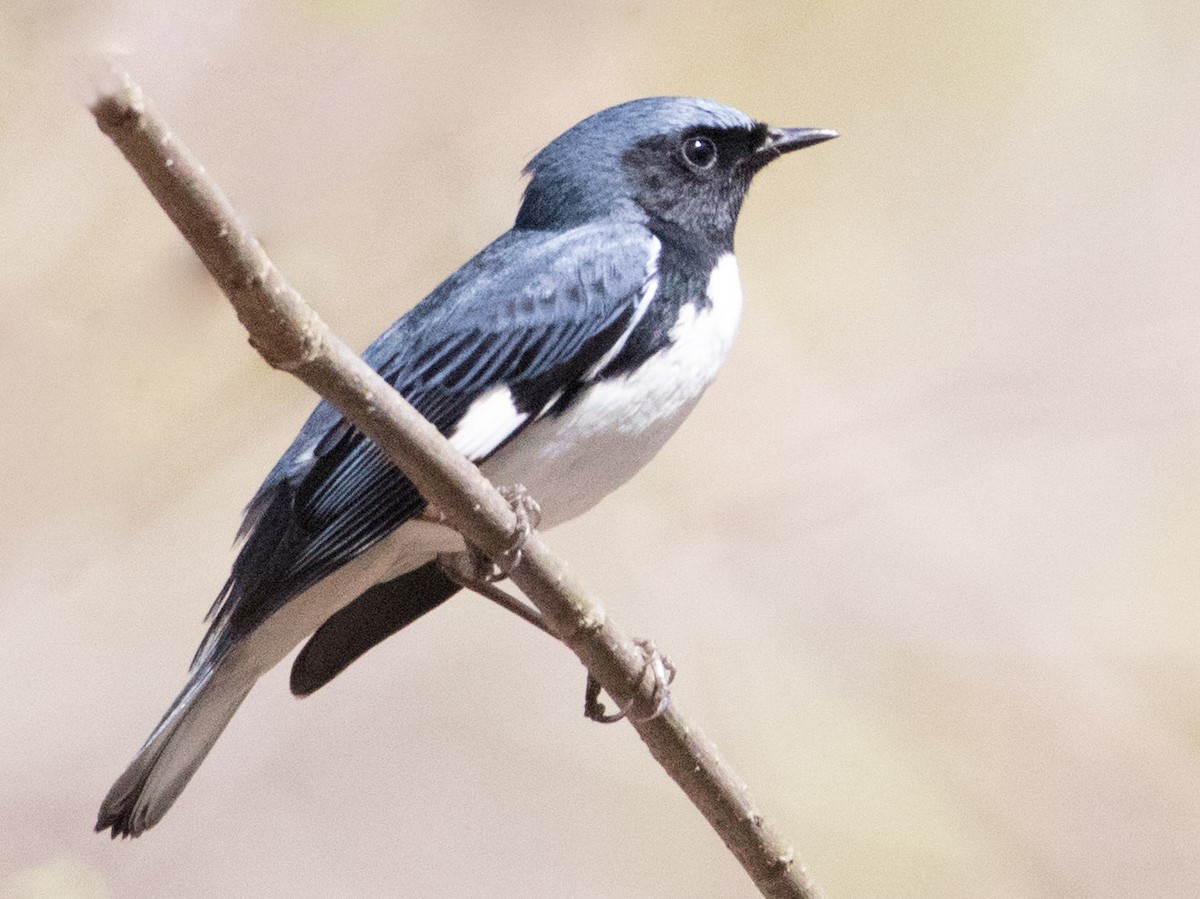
175	749
367	621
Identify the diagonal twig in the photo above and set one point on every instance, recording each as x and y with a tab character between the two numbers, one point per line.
290	336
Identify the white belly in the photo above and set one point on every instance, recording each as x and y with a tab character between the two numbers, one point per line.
571	461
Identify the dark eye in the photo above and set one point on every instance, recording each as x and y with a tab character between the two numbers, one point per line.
699	152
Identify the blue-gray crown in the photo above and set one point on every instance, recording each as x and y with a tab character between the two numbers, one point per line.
578	176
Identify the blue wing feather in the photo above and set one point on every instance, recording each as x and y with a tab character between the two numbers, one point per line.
533	311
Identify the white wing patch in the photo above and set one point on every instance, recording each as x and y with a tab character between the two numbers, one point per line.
488	422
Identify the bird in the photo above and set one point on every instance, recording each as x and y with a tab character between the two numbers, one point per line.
559	358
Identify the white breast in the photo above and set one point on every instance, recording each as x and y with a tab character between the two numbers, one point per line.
571	461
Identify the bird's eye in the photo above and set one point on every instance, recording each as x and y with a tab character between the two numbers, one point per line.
699	152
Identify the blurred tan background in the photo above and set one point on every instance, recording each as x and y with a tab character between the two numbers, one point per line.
926	556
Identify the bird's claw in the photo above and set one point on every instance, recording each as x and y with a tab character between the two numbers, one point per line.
661	670
473	570
529	516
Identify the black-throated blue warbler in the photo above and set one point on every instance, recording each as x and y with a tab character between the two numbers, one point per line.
560	358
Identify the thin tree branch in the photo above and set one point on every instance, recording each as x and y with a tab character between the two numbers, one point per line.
291	337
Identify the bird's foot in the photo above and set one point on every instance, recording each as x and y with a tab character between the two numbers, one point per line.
529	516
472	567
659	668
474	571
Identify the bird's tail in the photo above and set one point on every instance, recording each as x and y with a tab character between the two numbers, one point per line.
169	758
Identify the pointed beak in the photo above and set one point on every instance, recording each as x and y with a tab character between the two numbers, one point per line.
785	140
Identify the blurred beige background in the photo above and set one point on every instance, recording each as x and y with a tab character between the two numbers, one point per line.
926	556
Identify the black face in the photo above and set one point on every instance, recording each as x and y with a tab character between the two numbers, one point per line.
696	179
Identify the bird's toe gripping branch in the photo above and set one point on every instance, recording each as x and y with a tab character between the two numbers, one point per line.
659	668
474	571
529	516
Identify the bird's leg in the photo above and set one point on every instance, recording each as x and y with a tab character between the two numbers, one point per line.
474	571
660	669
529	516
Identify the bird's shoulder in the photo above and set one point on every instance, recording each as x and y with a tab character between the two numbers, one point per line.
528	279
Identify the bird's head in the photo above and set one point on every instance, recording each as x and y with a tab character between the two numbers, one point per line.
679	160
